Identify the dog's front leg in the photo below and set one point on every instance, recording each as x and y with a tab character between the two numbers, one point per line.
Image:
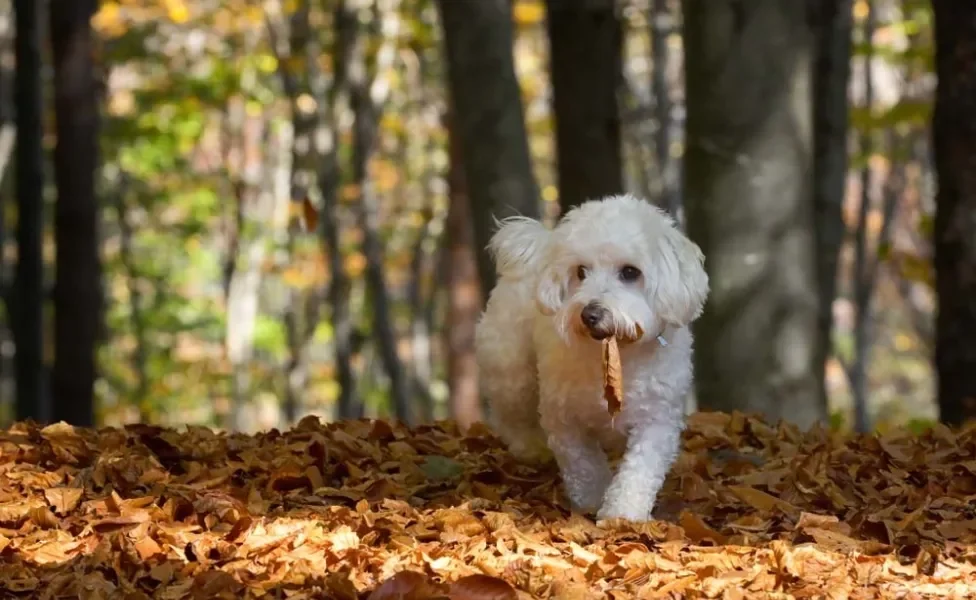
651	450
584	468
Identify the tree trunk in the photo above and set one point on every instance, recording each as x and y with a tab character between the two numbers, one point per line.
490	126
418	296
348	406
77	291
262	153
367	109
384	330
27	301
748	180
586	62
291	40
954	143
830	113
862	289
464	297
662	25
140	354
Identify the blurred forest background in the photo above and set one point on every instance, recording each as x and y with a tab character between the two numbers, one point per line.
235	213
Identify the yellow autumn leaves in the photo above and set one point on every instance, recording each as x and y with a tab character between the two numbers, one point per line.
115	16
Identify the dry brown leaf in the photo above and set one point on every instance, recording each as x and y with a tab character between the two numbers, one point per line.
405	585
613	391
63	500
481	587
761	501
310	215
43	517
699	531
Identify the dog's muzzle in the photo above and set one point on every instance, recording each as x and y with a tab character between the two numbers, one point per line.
597	320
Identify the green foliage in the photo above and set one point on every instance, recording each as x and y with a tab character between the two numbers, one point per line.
905	114
920	426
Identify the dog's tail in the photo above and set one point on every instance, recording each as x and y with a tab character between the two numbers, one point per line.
517	245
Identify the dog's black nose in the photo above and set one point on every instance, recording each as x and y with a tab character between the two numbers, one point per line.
592	314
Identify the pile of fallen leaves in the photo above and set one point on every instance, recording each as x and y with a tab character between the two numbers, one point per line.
365	509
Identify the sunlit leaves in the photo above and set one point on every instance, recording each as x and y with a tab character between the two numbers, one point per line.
906	113
913	268
177	10
108	20
372	509
528	12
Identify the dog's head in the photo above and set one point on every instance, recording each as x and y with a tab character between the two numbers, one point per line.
620	267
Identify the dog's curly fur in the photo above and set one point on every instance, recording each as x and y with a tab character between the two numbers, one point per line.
540	363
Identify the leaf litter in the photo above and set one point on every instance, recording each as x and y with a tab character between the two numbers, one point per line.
370	510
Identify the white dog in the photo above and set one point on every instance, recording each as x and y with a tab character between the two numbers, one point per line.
615	266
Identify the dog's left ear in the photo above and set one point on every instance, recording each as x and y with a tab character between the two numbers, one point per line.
681	282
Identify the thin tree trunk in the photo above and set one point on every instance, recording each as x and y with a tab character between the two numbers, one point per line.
347	404
301	314
490	126
234	218
862	293
954	144
420	327
367	107
464	297
748	182
27	301
383	329
245	284
77	291
662	25
586	59
140	357
834	28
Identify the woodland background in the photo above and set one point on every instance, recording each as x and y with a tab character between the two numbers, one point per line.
235	213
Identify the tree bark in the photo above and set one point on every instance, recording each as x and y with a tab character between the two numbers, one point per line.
26	304
830	113
586	62
77	291
748	178
662	25
954	144
291	39
490	126
464	297
346	32
367	109
384	331
863	288
140	354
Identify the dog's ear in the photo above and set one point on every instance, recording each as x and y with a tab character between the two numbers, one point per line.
551	289
680	283
517	244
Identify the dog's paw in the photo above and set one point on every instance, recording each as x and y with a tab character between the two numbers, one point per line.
636	513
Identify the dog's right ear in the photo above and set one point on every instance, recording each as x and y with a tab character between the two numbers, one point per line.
551	289
517	245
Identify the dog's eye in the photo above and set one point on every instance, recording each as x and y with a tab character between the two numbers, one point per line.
629	273
581	272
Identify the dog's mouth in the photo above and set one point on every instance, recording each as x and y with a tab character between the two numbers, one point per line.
602	333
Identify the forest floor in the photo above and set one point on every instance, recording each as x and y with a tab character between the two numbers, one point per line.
369	510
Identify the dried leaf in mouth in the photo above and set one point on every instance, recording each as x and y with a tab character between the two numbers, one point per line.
613	384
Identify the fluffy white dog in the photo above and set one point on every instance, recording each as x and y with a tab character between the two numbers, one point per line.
617	266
